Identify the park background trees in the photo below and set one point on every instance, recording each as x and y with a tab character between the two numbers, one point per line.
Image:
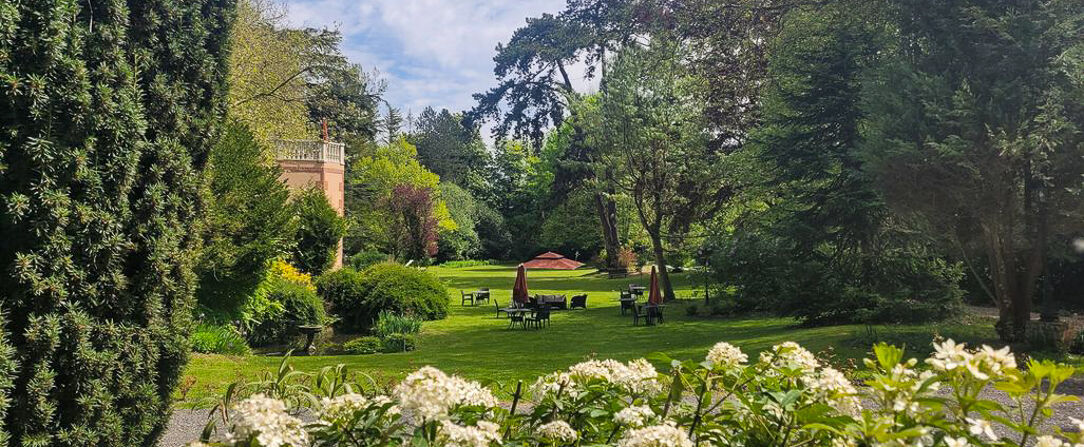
871	153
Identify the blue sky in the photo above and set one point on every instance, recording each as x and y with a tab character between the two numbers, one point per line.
431	52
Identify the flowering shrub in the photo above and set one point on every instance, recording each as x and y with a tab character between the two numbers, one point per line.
284	270
785	398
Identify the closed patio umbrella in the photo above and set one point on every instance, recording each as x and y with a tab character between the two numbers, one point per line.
519	290
654	296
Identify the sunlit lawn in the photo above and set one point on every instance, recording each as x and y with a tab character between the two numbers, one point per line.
473	343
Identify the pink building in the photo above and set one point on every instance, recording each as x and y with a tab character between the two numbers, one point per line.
315	163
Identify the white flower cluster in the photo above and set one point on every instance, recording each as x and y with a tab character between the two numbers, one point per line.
429	394
346	405
666	435
634	416
482	434
265	419
1050	441
901	385
551	384
638	377
558	431
983	364
726	355
832	387
790	355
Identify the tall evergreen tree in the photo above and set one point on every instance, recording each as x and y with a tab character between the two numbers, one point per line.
106	119
975	134
450	149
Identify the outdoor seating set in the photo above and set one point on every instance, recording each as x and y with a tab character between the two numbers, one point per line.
536	312
649	313
474	297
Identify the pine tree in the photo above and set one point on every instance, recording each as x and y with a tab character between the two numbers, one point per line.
106	117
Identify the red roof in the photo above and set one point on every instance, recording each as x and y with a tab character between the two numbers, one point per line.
552	261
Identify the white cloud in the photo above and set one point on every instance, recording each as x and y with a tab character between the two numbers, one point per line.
432	52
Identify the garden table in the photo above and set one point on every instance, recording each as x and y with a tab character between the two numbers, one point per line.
518	315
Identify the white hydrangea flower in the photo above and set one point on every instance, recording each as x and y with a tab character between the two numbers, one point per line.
981	427
726	355
982	364
634	416
639	377
558	431
595	369
265	419
346	405
956	442
949	356
482	434
1049	441
553	383
790	355
429	394
996	361
834	388
666	435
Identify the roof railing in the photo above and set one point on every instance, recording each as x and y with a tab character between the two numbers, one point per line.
309	150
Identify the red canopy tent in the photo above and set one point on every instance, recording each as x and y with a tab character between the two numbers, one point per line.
552	261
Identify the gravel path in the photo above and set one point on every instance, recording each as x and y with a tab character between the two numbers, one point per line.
184	426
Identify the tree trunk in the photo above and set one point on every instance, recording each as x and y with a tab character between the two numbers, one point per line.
660	261
1014	272
607	215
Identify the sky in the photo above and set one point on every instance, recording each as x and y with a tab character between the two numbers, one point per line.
430	52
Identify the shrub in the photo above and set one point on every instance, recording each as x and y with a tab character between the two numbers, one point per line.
467	263
364	345
897	285
785	396
363	259
692	310
218	339
320	228
300	306
108	114
357	298
398	343
388	323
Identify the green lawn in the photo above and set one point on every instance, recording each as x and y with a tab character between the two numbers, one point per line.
475	344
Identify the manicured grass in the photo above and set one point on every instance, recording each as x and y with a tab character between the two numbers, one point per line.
475	344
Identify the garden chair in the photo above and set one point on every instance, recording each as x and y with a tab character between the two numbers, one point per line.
578	301
497	306
640	312
627	302
482	295
517	318
464	297
540	318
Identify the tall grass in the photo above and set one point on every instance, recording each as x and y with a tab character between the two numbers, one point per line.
388	323
215	339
